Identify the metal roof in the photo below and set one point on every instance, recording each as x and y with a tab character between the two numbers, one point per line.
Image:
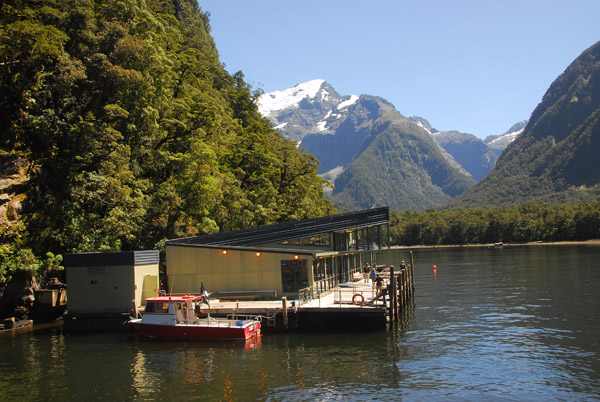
292	230
126	258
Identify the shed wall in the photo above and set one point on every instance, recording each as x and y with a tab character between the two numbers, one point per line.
100	289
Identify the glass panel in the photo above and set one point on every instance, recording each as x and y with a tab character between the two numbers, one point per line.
374	238
341	242
294	275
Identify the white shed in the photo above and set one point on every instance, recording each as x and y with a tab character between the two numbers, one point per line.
109	282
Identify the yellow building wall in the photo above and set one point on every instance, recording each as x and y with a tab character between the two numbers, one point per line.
188	267
146	282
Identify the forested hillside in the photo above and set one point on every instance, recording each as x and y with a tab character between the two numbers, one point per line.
526	222
399	164
555	159
129	131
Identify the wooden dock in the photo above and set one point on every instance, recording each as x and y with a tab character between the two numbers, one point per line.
352	306
349	307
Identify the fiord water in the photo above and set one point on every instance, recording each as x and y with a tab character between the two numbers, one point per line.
507	324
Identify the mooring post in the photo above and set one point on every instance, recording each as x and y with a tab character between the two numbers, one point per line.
284	311
402	287
399	294
412	272
407	282
398	290
398	306
393	295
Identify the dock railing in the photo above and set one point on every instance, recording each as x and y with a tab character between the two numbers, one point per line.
319	288
304	295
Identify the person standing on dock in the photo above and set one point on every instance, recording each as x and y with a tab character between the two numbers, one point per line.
373	275
379	283
367	269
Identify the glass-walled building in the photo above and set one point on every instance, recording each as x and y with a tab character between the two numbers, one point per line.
282	259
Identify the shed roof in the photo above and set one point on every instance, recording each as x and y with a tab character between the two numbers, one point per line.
126	258
291	230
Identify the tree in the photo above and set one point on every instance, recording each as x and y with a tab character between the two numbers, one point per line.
133	130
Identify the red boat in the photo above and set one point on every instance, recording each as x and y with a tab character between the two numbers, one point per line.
174	317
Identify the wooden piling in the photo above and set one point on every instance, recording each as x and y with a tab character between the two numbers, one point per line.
284	312
403	289
400	290
393	295
398	280
412	271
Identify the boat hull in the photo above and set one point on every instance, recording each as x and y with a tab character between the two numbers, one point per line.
198	332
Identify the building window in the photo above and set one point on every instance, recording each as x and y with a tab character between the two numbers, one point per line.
294	275
312	241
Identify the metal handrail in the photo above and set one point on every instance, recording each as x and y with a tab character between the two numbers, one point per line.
304	295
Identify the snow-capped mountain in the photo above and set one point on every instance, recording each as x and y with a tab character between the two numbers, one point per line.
307	108
373	154
499	142
327	125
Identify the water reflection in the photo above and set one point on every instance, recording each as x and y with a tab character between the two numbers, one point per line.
162	368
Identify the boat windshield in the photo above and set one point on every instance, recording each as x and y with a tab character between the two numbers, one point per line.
156	307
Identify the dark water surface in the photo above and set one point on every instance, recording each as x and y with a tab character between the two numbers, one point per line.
511	324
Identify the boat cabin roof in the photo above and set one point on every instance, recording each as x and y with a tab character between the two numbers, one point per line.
174	299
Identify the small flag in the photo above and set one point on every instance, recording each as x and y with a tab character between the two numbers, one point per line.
204	294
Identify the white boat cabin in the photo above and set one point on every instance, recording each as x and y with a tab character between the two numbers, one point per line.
171	310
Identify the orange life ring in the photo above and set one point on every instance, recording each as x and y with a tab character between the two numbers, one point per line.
358	296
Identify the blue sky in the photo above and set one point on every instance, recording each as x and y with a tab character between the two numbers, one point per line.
476	66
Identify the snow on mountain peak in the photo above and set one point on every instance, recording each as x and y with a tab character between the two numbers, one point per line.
353	99
420	124
506	139
279	100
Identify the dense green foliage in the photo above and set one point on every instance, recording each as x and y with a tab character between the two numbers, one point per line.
522	223
556	157
133	130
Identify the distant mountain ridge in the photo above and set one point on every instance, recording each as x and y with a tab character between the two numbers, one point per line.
555	158
476	156
373	154
471	152
499	142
